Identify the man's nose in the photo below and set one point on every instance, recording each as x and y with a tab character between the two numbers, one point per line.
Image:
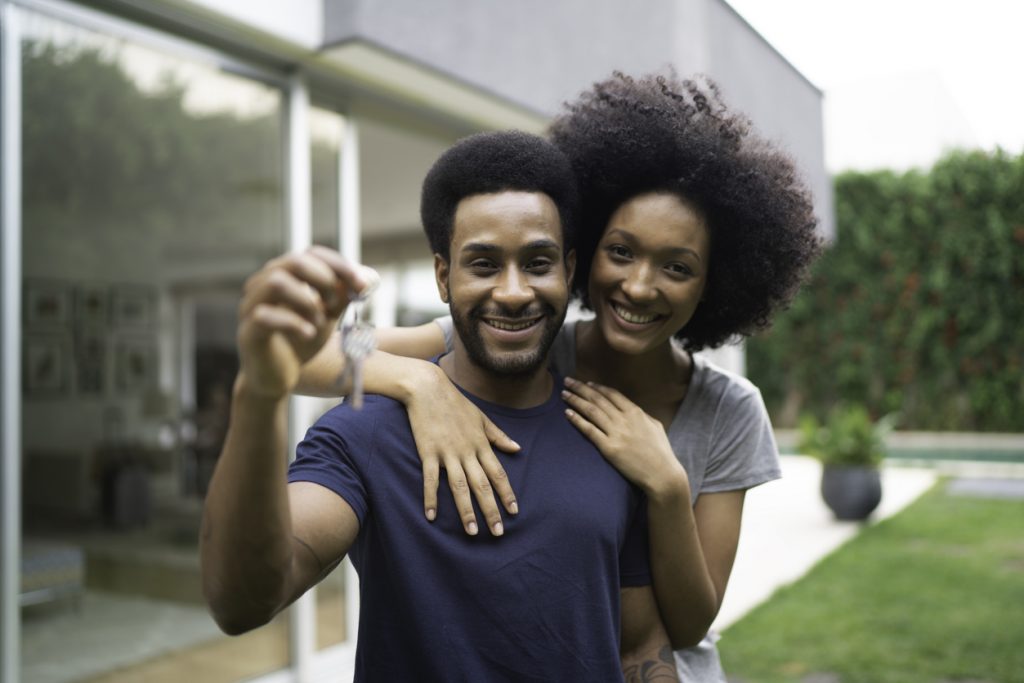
512	290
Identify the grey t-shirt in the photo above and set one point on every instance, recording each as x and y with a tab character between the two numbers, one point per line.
722	436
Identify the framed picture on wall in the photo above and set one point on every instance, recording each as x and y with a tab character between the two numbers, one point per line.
136	364
45	361
134	307
90	362
47	304
92	306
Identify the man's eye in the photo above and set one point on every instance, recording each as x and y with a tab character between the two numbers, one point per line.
482	265
539	265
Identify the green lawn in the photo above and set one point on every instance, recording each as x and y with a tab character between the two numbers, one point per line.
932	595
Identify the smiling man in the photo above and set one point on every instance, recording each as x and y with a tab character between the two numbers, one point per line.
542	598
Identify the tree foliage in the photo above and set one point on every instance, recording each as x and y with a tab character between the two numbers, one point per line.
918	308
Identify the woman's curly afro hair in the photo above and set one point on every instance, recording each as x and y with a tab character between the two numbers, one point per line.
628	136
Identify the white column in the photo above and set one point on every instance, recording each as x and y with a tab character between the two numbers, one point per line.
301	408
10	344
350	231
349	237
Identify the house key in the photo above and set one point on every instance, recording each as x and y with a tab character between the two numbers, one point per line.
357	342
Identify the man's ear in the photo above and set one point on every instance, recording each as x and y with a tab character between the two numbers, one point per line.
441	275
570	266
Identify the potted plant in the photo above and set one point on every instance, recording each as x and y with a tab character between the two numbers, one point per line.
850	446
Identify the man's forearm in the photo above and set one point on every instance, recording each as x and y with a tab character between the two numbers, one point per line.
653	664
645	649
245	540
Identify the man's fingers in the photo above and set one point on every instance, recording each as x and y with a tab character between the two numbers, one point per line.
265	320
329	281
356	277
282	288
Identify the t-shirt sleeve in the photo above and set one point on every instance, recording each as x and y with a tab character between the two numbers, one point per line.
448	330
327	458
743	449
635	556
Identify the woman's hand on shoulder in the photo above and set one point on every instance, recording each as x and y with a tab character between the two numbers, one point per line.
452	433
632	441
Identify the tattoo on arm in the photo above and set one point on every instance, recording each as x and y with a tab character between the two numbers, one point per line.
662	668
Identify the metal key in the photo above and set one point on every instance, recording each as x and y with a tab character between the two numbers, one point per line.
357	342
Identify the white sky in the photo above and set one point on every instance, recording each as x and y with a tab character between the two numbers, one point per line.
904	79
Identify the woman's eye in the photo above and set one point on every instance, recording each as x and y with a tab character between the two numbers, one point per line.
679	269
619	252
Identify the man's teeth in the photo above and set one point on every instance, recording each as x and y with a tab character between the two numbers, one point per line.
633	317
512	327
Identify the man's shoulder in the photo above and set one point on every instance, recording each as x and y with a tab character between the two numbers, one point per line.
376	410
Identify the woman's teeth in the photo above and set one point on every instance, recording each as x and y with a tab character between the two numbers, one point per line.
633	317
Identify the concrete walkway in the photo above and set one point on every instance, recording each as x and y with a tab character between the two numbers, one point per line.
787	529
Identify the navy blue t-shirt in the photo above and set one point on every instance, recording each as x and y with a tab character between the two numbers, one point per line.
540	603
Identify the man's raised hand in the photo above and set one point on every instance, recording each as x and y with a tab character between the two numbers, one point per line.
288	311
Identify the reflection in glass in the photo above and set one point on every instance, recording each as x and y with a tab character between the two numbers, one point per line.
152	188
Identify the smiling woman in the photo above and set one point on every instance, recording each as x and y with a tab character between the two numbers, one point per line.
648	274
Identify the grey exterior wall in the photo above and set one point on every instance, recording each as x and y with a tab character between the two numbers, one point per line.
540	53
535	52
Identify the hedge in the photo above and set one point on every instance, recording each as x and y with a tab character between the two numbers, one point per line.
917	308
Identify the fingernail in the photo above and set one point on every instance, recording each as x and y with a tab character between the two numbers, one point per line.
498	529
565	394
472	529
431	514
514	508
569	381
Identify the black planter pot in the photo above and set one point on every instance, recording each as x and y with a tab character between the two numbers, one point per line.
852	493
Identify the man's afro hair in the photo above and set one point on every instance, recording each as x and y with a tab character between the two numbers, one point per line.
496	162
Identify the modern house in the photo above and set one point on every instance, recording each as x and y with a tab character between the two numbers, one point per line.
157	152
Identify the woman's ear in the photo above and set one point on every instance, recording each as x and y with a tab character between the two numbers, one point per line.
441	276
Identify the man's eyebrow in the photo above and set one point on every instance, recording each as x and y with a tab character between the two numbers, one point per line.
487	248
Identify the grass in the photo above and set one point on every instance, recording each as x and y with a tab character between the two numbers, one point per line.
932	595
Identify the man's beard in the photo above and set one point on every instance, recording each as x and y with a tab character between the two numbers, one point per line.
512	363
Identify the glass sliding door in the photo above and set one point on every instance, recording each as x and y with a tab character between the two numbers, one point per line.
152	187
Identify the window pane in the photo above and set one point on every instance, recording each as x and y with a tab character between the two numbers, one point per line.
152	189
